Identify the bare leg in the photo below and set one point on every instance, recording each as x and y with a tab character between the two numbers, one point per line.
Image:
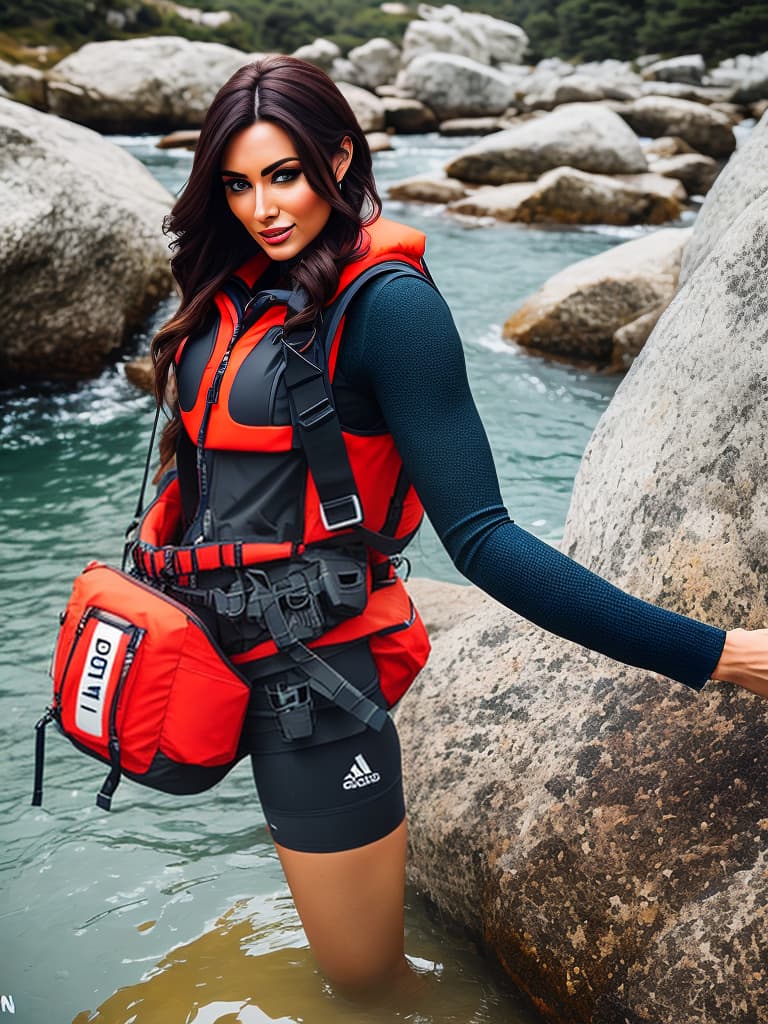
351	906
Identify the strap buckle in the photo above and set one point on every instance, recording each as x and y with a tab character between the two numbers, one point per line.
316	414
293	707
339	513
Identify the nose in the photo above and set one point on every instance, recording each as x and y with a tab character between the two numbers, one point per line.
264	206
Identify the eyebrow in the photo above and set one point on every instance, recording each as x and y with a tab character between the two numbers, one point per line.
265	172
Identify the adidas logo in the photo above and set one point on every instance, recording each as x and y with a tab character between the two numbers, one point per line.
360	774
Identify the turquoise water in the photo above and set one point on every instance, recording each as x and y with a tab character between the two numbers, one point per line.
173	910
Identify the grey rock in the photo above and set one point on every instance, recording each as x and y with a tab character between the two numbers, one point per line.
23	83
708	131
666	146
379	142
408	115
186	139
136	85
427	189
601	828
375	62
689	69
742	181
322	52
628	340
582	135
705	94
343	70
697	172
455	86
448	29
83	259
578	312
569	196
366	106
470	126
424	38
745	75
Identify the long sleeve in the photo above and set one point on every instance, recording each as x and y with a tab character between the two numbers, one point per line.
402	347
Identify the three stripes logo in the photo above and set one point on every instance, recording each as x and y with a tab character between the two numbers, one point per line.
360	774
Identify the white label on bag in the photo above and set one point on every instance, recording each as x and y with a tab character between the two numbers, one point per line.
95	680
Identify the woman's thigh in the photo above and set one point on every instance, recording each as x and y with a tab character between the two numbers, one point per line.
336	815
351	906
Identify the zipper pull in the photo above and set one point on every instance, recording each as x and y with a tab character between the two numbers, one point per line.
37	792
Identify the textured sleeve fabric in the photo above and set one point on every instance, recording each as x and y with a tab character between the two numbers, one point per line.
401	345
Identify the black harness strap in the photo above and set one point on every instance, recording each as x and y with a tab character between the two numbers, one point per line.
315	417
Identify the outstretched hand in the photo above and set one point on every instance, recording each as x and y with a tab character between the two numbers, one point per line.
744	660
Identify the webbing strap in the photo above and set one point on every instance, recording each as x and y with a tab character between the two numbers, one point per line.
322	678
316	419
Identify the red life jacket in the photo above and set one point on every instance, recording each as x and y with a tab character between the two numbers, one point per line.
259	502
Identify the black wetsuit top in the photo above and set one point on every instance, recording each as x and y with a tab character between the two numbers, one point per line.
401	354
401	364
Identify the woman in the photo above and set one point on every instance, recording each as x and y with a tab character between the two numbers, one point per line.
268	234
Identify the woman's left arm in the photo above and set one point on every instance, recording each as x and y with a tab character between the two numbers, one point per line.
403	345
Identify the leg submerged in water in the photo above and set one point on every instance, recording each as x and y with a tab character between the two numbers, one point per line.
351	906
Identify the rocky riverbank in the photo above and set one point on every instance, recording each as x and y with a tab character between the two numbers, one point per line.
599	143
602	828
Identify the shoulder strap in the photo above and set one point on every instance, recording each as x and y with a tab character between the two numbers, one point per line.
315	417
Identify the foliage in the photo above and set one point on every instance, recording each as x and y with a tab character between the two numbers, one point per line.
578	29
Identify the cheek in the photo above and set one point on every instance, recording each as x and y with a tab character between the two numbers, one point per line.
309	206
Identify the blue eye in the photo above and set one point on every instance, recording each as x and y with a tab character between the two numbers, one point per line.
286	175
233	185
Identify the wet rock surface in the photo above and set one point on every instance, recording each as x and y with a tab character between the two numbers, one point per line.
586	136
603	829
579	311
84	259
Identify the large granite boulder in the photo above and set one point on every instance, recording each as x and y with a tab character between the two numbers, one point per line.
456	86
689	69
578	312
587	136
744	179
375	62
83	258
321	52
141	85
600	828
448	29
707	130
745	75
569	196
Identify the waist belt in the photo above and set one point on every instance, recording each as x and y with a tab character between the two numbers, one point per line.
296	601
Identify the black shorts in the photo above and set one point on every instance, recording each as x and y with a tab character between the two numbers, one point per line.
339	788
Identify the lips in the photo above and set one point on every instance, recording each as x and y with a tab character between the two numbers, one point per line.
276	235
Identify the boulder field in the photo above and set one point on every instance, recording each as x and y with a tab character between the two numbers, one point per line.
601	829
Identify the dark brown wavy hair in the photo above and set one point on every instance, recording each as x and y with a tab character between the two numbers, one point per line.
209	243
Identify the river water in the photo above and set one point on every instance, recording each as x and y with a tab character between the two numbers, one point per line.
174	911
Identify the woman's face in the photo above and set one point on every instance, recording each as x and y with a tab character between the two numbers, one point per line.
267	191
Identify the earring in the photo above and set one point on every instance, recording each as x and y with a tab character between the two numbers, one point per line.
338	184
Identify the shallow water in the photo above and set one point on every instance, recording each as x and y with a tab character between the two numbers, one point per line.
175	910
